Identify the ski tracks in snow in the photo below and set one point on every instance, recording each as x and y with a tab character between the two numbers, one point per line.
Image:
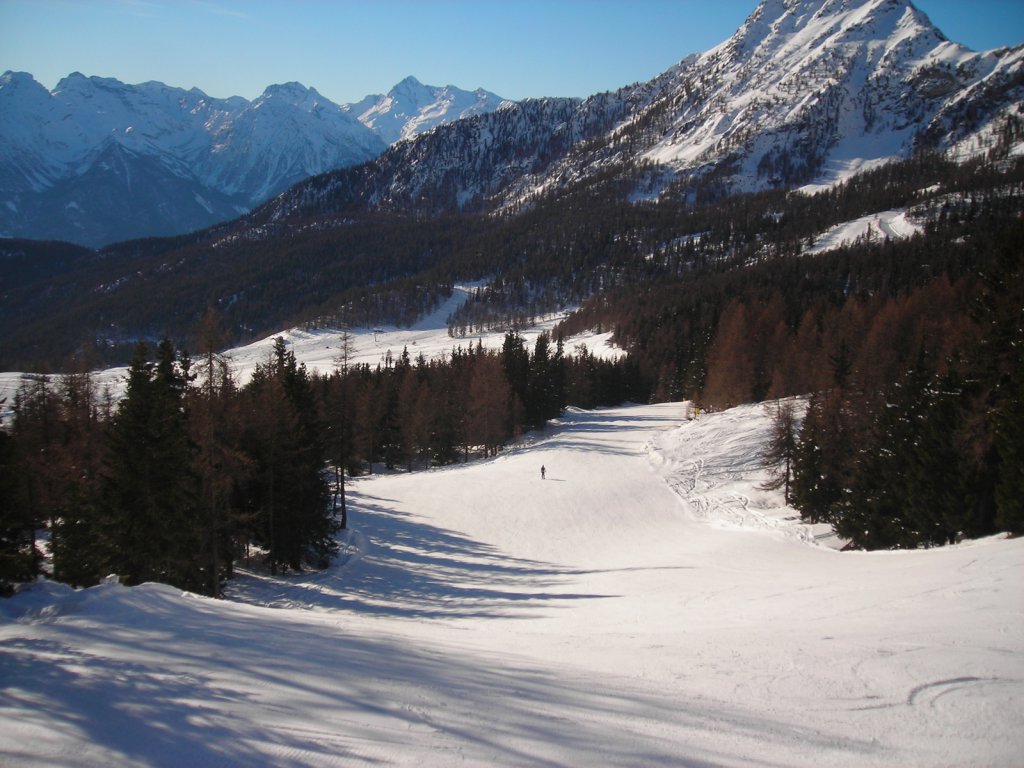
713	463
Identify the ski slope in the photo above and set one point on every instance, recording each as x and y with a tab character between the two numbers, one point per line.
887	225
318	350
646	604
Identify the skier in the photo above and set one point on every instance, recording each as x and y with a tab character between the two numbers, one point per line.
542	471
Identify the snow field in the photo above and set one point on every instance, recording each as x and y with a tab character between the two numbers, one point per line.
319	349
894	225
620	612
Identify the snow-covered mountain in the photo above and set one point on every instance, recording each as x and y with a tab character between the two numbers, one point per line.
808	90
97	160
805	91
816	89
412	108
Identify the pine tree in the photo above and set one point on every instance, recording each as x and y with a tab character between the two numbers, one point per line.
820	470
781	451
150	529
538	394
219	463
874	512
17	557
287	494
80	457
488	417
1009	442
516	362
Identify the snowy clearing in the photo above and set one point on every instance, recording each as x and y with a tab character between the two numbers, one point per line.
645	604
319	349
892	225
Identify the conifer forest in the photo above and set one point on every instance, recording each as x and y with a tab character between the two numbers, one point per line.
905	357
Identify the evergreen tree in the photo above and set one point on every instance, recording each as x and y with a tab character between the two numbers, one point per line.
781	452
1009	441
516	361
539	394
287	494
17	545
873	513
997	410
820	470
150	529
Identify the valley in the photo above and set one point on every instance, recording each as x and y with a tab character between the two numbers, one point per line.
680	424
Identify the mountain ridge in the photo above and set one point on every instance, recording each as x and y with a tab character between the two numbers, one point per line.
546	203
216	158
411	108
806	91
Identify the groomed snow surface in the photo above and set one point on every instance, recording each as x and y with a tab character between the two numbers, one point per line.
644	605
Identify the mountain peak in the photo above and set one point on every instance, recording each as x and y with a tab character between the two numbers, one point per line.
19	85
776	26
408	82
16	78
292	91
411	108
79	82
775	14
777	8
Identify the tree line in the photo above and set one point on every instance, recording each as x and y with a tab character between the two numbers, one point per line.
934	453
910	350
910	353
190	474
174	483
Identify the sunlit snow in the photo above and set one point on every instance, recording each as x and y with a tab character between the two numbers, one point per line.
876	227
646	604
319	349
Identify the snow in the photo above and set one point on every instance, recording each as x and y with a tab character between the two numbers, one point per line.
859	152
319	349
893	224
412	108
840	76
618	613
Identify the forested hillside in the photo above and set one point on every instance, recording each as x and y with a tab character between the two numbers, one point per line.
909	350
627	210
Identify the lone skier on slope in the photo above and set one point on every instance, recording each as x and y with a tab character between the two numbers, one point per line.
542	471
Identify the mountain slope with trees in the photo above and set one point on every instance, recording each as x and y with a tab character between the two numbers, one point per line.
907	345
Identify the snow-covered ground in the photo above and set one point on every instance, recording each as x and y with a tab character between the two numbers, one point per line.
646	604
892	225
429	337
319	349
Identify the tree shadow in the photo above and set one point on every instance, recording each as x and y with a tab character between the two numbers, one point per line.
147	676
405	567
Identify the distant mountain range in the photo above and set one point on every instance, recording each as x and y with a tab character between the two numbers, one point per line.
97	161
540	202
805	92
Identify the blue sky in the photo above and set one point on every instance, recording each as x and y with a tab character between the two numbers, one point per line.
347	49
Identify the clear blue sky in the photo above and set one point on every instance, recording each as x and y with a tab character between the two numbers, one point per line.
347	49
